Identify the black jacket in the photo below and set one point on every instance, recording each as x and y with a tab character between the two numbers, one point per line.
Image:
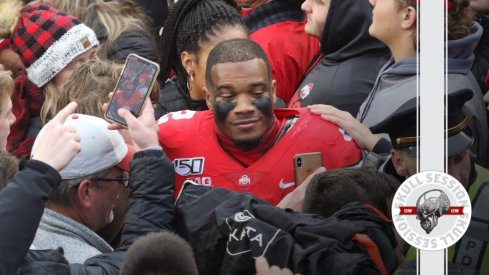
157	11
21	208
350	61
174	98
227	230
150	209
133	42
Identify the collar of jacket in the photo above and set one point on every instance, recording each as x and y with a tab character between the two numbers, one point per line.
271	13
406	66
461	51
56	223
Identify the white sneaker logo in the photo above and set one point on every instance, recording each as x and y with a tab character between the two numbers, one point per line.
283	185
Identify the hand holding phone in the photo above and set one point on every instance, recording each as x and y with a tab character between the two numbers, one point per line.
305	164
132	88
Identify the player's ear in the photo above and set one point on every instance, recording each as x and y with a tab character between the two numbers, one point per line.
274	90
207	96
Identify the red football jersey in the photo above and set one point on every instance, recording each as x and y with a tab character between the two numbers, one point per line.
189	139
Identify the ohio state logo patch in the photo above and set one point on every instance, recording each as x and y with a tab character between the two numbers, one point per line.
431	210
244	181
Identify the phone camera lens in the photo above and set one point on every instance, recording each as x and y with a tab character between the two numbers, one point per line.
299	162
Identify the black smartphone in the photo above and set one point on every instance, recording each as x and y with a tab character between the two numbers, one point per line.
305	164
132	88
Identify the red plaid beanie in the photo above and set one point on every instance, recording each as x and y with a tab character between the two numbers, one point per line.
47	40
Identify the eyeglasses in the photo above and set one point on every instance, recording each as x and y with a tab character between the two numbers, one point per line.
124	180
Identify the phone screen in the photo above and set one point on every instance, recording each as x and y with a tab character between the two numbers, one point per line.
133	87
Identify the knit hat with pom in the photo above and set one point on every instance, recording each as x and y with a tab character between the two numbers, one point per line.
46	39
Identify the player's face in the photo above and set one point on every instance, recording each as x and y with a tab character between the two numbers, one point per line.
242	101
128	86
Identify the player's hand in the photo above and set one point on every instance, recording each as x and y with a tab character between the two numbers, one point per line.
59	143
294	199
362	136
143	129
262	268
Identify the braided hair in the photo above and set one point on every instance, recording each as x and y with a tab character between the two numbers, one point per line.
192	22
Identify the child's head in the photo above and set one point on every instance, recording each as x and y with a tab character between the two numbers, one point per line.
161	253
90	85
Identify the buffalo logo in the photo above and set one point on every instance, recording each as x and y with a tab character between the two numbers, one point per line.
430	206
189	166
306	90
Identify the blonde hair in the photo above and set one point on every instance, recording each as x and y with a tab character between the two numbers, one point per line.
110	19
51	95
90	85
6	86
9	15
73	7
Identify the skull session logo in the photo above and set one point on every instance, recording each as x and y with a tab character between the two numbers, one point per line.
431	210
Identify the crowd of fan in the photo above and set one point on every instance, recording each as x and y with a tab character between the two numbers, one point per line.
202	180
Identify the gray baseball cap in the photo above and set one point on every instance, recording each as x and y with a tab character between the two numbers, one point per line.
101	148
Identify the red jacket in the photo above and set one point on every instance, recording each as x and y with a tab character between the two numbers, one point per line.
288	47
189	139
